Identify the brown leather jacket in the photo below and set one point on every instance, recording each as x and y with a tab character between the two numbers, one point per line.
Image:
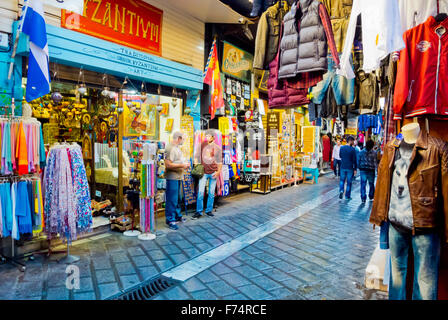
427	179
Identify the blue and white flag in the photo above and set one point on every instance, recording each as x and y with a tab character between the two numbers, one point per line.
33	24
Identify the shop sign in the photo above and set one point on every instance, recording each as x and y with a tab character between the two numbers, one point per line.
237	62
134	24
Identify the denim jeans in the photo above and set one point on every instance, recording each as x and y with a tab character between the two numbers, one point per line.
346	174
426	248
343	88
367	176
337	167
211	194
172	206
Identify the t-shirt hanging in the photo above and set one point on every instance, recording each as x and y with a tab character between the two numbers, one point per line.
381	34
400	209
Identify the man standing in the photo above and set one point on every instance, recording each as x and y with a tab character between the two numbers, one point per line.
175	165
367	164
348	167
211	159
336	158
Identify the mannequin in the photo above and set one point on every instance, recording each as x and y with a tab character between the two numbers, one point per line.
412	167
410	132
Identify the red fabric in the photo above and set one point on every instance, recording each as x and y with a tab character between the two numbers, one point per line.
326	146
213	79
323	13
415	88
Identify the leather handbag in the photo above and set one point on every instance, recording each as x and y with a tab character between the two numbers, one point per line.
198	171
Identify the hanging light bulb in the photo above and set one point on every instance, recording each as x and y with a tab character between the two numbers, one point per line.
143	93
82	89
105	92
159	90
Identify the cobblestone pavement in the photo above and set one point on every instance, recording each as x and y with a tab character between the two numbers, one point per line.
321	255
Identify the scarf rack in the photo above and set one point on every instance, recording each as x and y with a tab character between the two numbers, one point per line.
13	259
145	235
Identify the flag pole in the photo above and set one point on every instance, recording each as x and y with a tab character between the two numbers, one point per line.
16	40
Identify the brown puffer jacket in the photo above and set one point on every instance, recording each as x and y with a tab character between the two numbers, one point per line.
427	180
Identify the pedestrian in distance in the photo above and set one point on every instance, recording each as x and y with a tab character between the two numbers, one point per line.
336	158
348	168
175	164
367	164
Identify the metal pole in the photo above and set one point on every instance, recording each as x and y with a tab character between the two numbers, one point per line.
16	41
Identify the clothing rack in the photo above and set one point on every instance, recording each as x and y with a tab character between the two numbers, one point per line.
13	259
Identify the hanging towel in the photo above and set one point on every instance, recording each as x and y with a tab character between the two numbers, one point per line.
5	194
42	155
23	210
21	151
15	230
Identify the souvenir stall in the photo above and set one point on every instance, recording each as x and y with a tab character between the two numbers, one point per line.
98	103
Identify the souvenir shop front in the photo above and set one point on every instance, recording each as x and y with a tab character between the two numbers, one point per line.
114	109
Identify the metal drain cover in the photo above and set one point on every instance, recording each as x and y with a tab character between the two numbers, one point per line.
146	290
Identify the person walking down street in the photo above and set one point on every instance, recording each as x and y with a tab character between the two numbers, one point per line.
211	159
336	158
175	165
367	164
348	168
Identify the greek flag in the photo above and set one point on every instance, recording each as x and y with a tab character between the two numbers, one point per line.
33	24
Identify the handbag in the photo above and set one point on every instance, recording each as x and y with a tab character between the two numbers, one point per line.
198	171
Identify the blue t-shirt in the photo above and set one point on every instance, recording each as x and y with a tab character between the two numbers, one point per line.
348	157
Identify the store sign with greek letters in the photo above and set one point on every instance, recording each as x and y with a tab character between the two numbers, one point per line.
135	24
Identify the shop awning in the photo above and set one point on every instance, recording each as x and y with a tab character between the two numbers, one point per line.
208	11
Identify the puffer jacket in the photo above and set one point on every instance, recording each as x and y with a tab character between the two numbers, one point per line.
427	180
280	93
303	48
268	33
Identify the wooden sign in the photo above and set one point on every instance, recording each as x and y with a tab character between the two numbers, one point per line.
134	24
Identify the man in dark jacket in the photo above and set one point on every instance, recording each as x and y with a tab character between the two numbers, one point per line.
348	167
367	164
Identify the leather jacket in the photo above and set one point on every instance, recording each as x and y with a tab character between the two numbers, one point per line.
427	180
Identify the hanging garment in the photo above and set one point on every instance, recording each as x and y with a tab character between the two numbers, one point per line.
6	202
67	199
339	11
326	146
280	94
268	33
422	80
23	210
304	43
81	191
7	166
381	34
21	151
415	12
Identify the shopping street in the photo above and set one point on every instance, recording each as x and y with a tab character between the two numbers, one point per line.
320	255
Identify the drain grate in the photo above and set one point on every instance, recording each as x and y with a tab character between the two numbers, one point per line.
147	290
